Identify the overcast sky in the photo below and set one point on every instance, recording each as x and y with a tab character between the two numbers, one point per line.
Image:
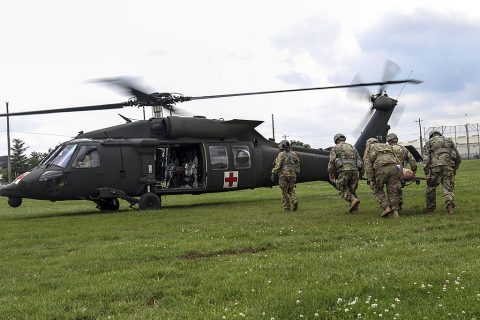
51	49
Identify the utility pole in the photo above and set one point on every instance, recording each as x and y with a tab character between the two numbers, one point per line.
468	142
456	144
421	140
273	128
9	163
478	143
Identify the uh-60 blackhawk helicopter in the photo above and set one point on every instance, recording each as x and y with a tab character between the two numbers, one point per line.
141	161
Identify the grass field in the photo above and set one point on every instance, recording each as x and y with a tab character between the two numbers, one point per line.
236	255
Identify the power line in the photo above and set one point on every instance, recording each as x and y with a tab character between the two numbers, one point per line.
44	134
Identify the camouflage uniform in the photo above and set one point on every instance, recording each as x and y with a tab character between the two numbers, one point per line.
382	168
287	166
404	156
345	164
442	160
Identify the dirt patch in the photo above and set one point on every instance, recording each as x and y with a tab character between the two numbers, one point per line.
226	252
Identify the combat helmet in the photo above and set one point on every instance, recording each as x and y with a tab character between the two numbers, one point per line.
283	145
391	136
433	133
338	136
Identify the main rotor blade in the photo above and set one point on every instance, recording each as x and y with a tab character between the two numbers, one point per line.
74	109
360	93
414	81
390	71
128	86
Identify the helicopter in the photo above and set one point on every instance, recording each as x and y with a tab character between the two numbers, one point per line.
141	161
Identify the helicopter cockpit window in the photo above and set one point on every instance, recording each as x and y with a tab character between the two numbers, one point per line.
87	157
64	156
51	154
241	157
218	157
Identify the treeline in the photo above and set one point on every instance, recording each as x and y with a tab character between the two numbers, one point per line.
20	162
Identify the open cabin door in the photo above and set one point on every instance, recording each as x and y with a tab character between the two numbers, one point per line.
180	168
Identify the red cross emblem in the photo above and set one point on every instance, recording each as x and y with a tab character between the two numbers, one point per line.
230	179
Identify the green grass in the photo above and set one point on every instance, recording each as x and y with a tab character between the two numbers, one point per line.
236	255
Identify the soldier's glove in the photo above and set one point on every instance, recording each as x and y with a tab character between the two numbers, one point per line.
371	184
430	181
331	177
272	177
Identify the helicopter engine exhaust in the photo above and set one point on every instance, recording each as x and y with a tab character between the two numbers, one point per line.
175	127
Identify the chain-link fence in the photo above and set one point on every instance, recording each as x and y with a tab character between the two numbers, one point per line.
466	137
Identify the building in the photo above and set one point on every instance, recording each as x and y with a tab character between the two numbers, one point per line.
468	148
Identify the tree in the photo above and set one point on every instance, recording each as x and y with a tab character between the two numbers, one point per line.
299	144
35	158
19	160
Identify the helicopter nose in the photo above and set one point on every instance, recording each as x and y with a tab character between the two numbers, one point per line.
15	189
11	190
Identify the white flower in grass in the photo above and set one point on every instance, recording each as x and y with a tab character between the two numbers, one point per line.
346	310
263	313
397	300
316	314
298	301
301	316
339	300
241	314
380	315
374	305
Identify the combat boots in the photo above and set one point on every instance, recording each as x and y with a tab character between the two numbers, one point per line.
295	206
354	205
450	210
394	214
428	210
386	212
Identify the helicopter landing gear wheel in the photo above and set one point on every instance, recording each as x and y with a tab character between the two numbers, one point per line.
149	201
111	204
14	202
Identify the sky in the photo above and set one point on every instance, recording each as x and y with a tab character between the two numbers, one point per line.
52	50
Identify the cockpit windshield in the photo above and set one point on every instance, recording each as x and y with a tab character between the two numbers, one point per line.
64	156
50	155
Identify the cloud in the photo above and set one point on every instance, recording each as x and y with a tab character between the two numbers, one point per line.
440	49
296	78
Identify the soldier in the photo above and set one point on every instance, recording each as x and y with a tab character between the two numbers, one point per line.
404	156
345	160
383	168
442	161
287	166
